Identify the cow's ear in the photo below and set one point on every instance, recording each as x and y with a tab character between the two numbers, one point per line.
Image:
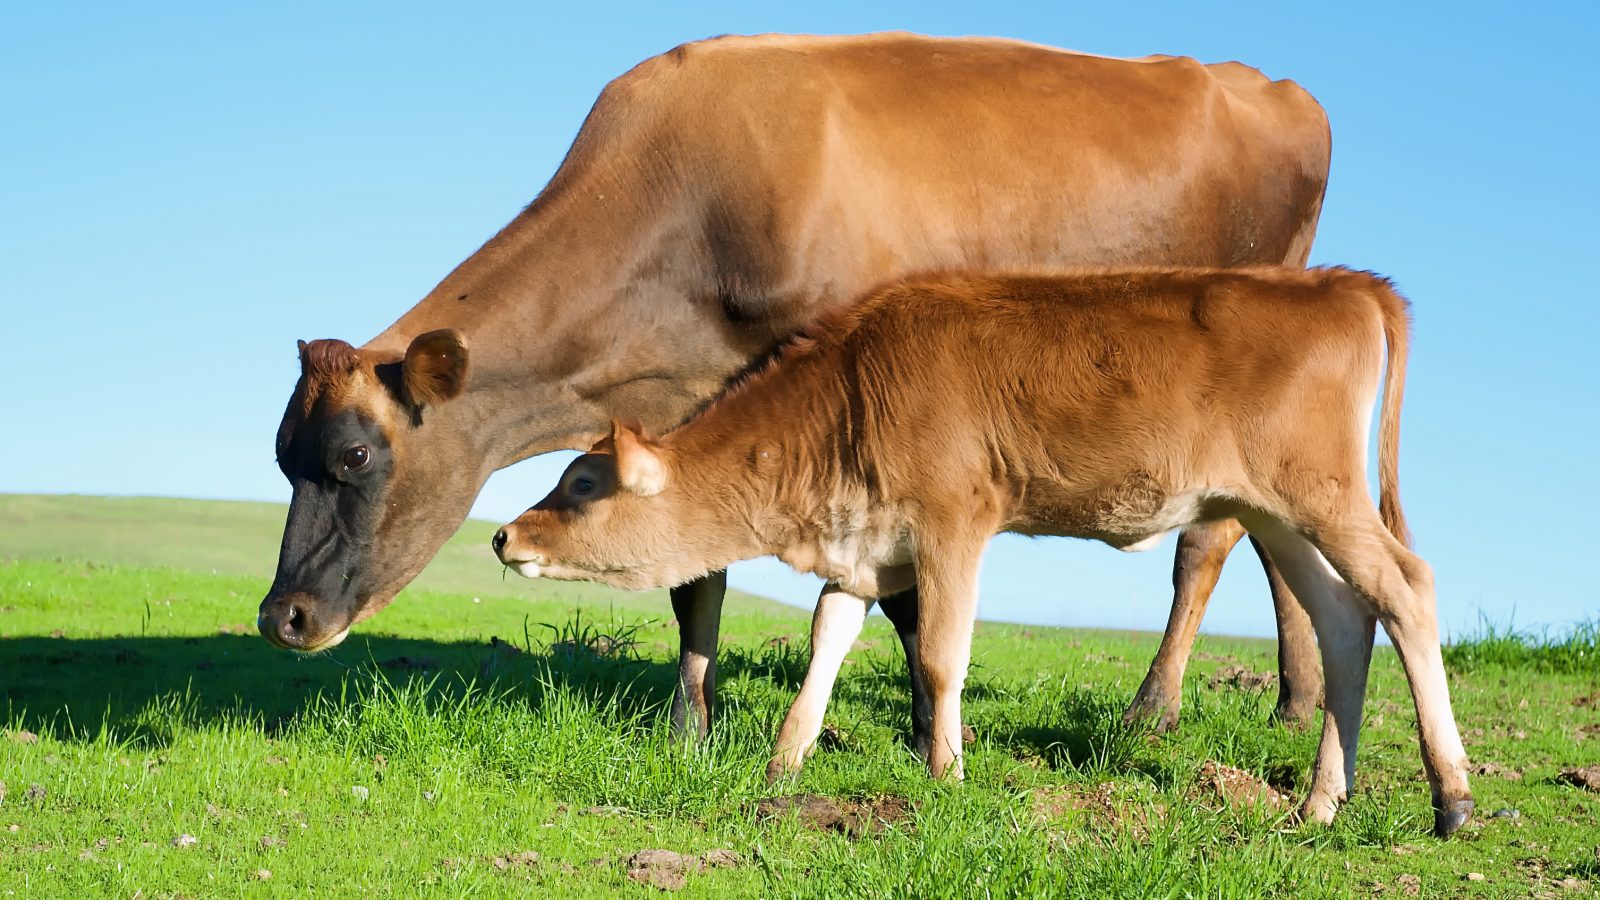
640	468
435	367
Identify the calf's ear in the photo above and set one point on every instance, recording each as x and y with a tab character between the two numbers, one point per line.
435	367
640	468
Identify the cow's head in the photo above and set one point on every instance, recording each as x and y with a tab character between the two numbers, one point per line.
374	476
616	517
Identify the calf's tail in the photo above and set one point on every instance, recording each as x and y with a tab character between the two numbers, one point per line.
1397	336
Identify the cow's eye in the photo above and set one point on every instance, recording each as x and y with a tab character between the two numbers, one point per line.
356	458
583	485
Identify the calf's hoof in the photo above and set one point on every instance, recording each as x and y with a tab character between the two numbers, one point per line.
1316	811
1450	815
778	771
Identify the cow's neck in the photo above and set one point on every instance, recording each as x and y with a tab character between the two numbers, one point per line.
592	304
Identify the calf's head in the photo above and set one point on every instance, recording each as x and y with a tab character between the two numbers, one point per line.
616	517
371	480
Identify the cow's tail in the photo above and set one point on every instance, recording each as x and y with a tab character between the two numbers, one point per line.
1397	336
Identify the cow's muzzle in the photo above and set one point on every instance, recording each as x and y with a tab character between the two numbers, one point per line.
287	621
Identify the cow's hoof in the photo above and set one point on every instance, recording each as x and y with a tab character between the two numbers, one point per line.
1294	713
1151	708
1448	817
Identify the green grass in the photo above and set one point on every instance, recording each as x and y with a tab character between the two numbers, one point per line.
1575	650
411	758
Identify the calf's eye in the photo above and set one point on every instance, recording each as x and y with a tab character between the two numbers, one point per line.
356	458
583	485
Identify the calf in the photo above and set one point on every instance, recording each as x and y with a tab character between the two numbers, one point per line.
890	443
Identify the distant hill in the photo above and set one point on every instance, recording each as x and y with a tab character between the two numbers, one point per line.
234	537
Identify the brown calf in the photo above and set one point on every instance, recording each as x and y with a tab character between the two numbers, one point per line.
892	443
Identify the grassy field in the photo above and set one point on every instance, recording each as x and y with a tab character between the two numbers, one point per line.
492	738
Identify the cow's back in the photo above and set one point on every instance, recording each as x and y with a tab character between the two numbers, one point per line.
825	164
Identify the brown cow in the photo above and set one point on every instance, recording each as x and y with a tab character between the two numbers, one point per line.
895	440
723	195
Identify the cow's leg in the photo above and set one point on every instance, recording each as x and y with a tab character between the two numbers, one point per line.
1202	550
1399	585
1299	676
901	611
947	593
1344	627
834	628
698	606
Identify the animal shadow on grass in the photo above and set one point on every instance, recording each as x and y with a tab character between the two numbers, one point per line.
78	688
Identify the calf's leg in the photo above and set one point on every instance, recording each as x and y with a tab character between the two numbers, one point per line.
698	607
1397	585
834	628
1400	587
1344	628
947	592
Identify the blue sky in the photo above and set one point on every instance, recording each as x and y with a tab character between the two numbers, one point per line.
187	189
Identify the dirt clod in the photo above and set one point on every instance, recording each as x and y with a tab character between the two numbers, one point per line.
1586	778
22	737
852	818
35	793
263	874
1498	771
722	858
185	840
664	869
513	860
1410	885
1475	876
1236	787
1242	677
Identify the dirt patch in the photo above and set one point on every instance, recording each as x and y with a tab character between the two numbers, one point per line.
1101	808
525	859
1496	771
852	818
669	870
1242	677
1586	778
1587	701
1236	787
22	737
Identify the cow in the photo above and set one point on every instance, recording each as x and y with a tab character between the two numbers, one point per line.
723	195
890	443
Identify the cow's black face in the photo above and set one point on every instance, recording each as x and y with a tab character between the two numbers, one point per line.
372	490
340	468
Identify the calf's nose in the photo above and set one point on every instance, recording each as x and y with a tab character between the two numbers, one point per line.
499	541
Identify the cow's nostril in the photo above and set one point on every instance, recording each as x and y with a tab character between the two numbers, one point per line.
499	541
294	624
